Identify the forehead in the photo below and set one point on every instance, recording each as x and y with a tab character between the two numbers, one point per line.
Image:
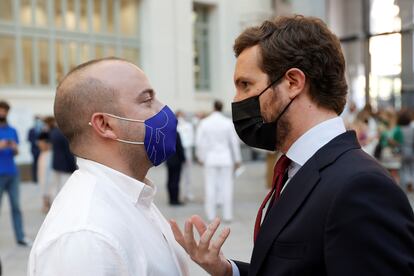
247	63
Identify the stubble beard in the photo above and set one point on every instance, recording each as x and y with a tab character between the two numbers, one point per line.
283	129
135	156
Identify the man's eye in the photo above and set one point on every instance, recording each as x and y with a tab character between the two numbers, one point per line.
244	84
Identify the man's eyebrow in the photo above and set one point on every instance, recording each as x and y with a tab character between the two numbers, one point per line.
146	92
241	79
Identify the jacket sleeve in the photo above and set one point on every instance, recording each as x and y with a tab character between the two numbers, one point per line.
180	149
370	229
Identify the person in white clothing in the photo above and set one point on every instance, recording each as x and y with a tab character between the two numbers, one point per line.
104	220
218	149
44	170
186	130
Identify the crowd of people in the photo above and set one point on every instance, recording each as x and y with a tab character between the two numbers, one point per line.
387	135
53	162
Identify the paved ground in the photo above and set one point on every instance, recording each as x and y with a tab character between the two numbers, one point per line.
250	190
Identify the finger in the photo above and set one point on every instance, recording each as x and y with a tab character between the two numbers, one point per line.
199	224
190	243
217	244
177	233
208	234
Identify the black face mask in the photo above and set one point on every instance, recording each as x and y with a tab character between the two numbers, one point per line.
249	123
2	119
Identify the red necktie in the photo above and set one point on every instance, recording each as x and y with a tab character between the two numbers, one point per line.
278	173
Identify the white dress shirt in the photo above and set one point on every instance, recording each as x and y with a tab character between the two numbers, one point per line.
217	143
105	223
305	147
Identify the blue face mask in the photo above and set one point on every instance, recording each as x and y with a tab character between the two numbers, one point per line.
160	135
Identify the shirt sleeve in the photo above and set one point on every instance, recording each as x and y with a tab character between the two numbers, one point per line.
15	136
81	253
234	268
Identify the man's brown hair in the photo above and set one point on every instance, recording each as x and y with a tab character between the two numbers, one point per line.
305	43
4	105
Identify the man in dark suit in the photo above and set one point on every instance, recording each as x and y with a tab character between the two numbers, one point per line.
332	210
63	160
174	167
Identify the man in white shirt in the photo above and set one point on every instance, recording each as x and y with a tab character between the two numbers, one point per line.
218	149
332	210
186	130
104	221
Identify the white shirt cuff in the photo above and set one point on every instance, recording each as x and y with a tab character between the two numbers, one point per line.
234	268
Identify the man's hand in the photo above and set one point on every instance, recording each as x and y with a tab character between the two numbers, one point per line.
237	165
205	253
3	144
13	145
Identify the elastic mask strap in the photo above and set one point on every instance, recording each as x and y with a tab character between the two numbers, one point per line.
284	110
270	85
125	119
129	142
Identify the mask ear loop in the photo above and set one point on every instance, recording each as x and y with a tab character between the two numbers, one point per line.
125	119
270	85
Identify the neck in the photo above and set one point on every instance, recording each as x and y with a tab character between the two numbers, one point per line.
303	121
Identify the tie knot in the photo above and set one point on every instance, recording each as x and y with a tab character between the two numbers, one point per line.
282	164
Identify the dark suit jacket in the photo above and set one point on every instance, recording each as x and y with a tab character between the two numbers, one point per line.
62	158
178	158
341	214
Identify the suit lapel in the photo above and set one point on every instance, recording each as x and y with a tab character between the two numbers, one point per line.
295	193
291	199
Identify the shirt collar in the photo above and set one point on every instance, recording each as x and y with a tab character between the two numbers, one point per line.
141	193
314	139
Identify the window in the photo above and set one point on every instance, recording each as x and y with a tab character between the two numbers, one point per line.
43	47
41	17
28	61
6	11
7	60
201	29
53	36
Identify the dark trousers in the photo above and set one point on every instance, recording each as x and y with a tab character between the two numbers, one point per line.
173	182
10	184
34	166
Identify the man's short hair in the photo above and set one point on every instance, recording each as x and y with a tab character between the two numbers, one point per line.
305	43
4	105
80	95
218	105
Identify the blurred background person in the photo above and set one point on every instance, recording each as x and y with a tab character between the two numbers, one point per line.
63	160
9	175
390	141
218	150
186	130
407	151
174	168
45	169
350	115
32	136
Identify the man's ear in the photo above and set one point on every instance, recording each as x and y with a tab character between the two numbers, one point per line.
296	82
103	125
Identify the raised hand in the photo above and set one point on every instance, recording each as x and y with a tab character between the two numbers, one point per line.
206	253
